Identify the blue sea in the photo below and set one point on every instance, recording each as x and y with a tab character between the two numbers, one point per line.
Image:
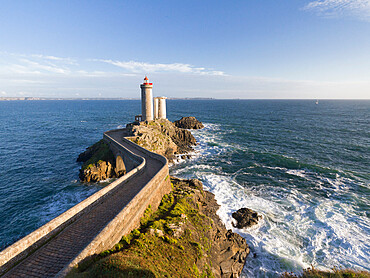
304	167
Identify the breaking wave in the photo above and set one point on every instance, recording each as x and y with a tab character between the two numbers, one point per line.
311	213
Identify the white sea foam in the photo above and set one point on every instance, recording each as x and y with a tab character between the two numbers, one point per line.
298	229
295	239
63	200
180	158
298	173
273	168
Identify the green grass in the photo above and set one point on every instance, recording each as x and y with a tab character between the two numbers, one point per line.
144	253
153	250
102	152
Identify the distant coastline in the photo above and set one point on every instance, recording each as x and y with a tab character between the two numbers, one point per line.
42	98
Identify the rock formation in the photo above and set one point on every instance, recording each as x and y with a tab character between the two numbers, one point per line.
189	123
99	163
184	237
228	250
161	136
245	218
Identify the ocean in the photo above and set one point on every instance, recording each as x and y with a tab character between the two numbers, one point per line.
303	167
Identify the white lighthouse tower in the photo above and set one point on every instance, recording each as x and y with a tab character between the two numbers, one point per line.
146	100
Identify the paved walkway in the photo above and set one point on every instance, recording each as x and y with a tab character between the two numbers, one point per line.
53	256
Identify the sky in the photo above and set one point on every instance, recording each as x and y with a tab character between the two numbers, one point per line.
250	49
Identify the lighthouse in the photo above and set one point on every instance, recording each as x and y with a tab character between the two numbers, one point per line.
146	100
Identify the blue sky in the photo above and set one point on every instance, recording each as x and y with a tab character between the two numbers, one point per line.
222	49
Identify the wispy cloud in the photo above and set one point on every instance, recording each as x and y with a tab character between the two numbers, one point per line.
337	8
97	73
48	67
35	64
66	60
142	67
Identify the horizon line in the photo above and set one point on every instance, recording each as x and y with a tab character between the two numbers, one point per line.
169	98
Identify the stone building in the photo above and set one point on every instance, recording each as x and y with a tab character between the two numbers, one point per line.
147	112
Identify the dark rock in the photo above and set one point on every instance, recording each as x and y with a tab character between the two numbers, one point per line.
189	123
197	184
100	163
88	153
183	139
245	218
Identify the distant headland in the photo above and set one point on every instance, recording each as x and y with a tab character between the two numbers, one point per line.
45	98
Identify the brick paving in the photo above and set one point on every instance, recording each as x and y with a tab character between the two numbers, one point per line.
53	256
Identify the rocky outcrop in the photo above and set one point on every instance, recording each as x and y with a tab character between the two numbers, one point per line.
162	137
99	171
100	164
91	151
183	237
245	218
228	250
189	123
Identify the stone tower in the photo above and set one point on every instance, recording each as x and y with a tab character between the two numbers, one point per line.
160	107
146	100
156	103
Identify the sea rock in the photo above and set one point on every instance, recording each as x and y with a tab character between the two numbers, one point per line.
99	171
245	218
189	123
161	136
183	237
100	164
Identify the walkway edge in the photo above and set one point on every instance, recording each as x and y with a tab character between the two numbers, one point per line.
129	214
23	247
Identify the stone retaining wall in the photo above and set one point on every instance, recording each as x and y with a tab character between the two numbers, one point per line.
129	218
130	161
22	248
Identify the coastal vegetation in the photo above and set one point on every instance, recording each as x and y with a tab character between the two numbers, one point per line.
98	152
99	163
163	137
178	239
160	136
182	238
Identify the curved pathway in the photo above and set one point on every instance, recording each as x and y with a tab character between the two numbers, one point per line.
56	254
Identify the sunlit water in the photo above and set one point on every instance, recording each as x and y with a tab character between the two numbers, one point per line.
303	167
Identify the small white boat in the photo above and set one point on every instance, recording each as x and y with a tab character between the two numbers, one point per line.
317	101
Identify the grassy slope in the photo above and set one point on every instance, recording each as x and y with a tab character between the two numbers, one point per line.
147	252
101	152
